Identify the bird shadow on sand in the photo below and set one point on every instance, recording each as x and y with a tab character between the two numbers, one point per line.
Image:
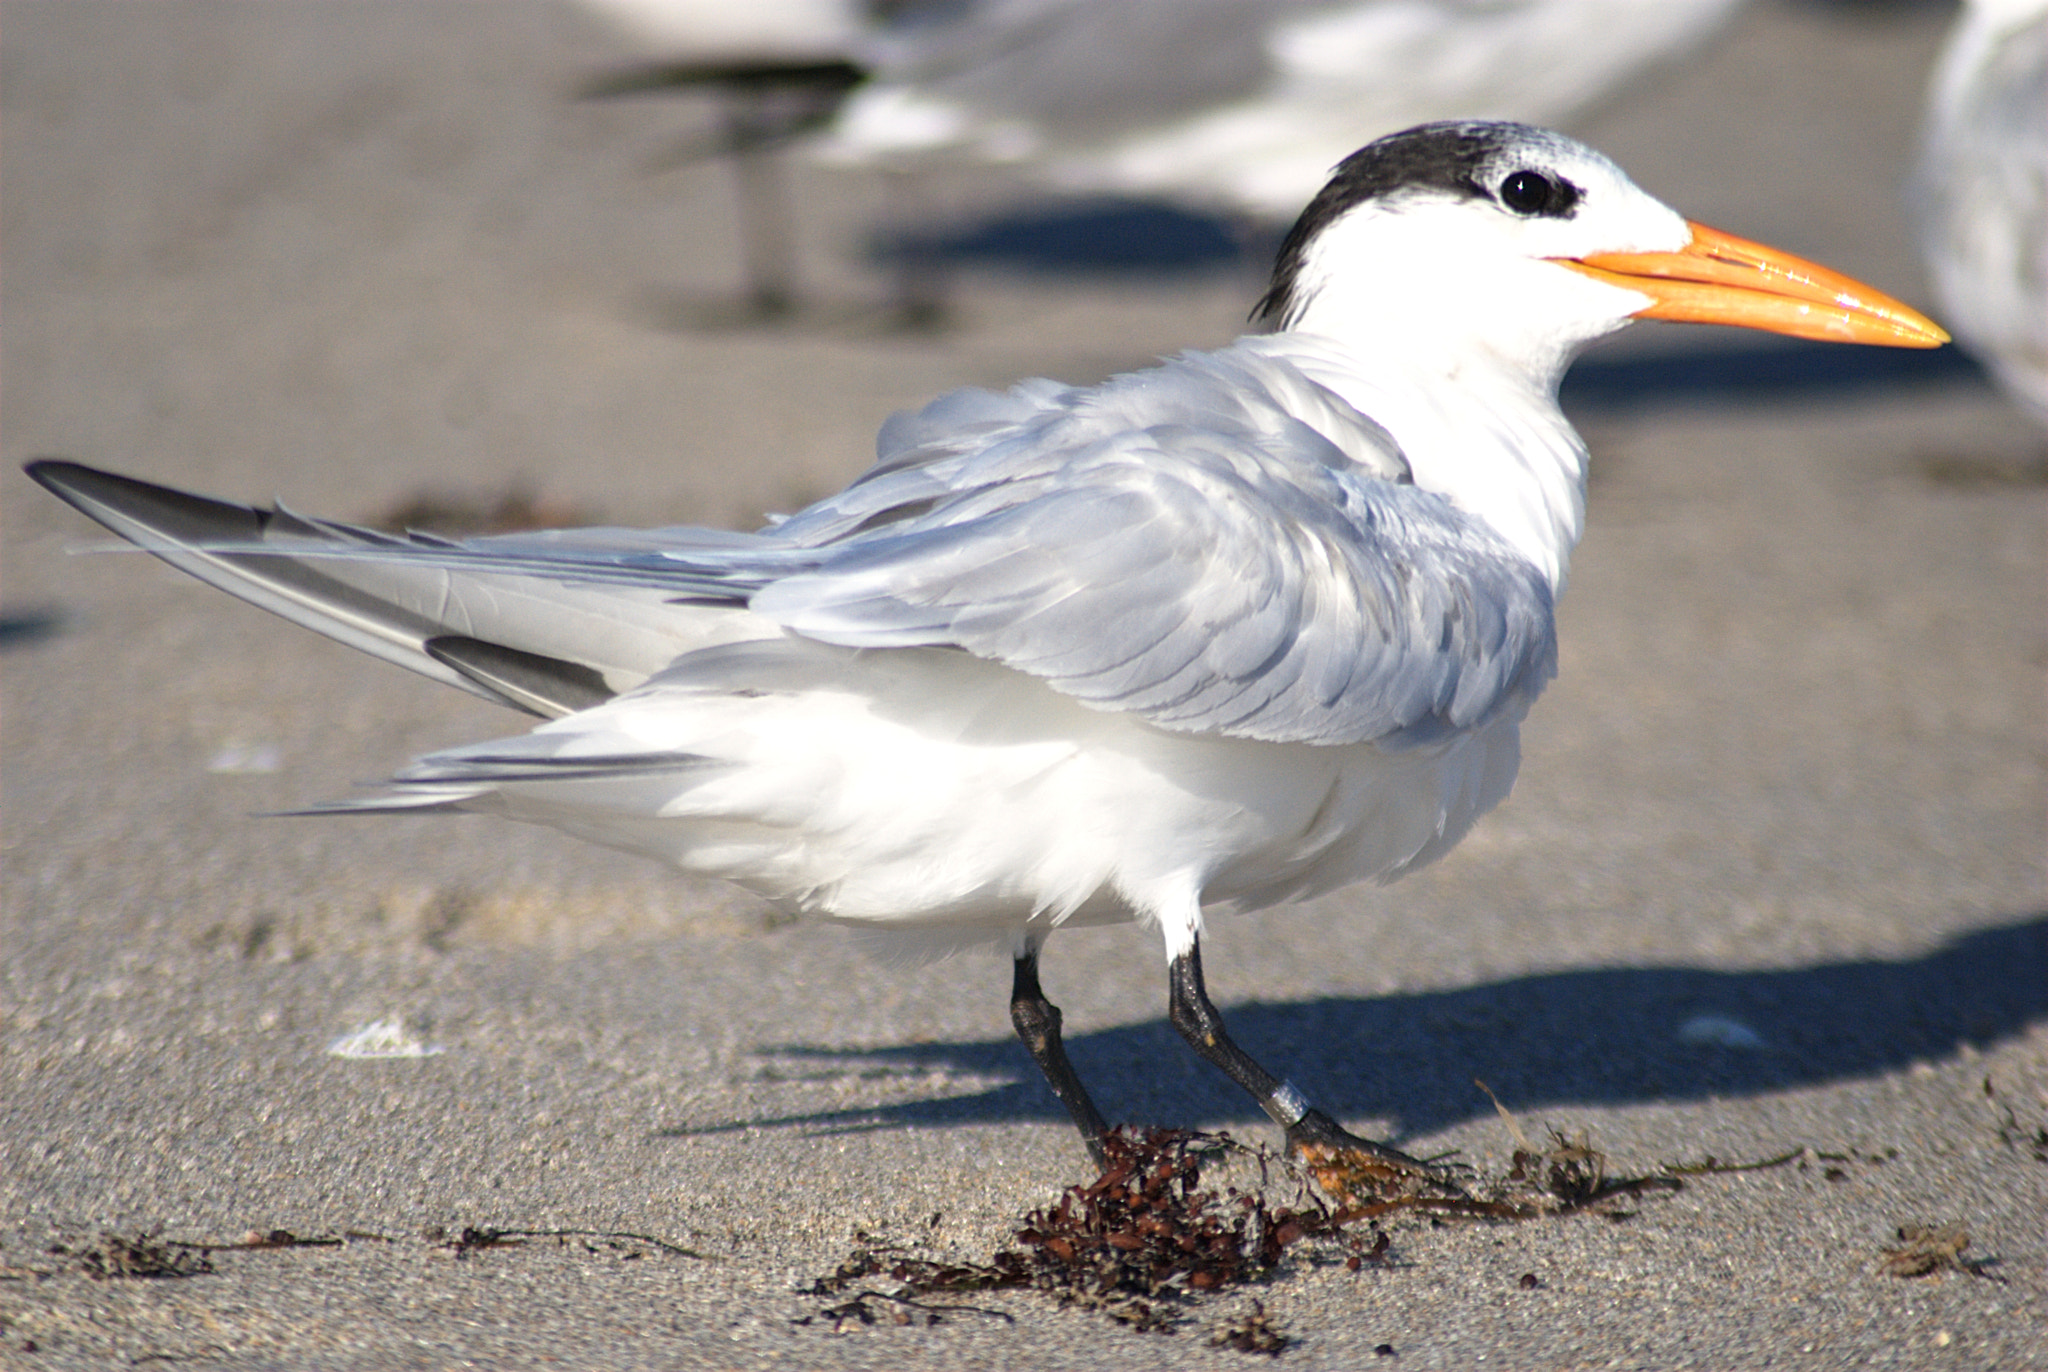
1088	237
1694	369
1405	1062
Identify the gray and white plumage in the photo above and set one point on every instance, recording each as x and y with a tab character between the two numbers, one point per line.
1244	627
1980	191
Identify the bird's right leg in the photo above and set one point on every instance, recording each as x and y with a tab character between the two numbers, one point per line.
1339	1157
1038	1024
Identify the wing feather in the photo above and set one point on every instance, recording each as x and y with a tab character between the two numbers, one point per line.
1188	556
1218	545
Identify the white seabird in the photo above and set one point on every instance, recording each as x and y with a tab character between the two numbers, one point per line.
1242	628
1229	107
1980	191
1234	105
1239	106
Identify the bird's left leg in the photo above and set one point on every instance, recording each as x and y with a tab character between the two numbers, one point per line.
1309	1130
1038	1023
766	240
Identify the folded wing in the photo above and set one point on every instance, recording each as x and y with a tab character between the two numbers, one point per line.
1217	545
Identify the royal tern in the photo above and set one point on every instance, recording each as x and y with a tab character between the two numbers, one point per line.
1980	191
1245	627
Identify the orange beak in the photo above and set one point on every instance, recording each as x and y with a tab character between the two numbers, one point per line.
1721	279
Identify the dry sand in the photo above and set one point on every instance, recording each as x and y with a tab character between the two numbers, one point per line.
1772	879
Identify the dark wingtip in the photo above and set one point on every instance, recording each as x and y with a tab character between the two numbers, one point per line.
826	76
545	686
81	486
53	473
74	481
178	514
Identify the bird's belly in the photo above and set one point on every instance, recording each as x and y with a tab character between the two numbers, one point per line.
935	790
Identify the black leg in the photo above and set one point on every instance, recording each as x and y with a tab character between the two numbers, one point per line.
1038	1024
766	239
1201	1024
919	282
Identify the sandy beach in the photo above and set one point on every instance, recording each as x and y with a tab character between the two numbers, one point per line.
1770	886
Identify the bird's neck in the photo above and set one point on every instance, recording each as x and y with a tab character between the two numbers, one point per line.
1482	431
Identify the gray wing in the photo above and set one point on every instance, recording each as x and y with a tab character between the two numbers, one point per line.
1195	580
482	624
1216	545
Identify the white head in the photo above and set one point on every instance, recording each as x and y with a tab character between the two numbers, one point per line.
1500	238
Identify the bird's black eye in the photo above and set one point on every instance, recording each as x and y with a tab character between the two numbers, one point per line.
1527	192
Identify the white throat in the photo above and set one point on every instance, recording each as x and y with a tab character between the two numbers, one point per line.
1458	352
1486	436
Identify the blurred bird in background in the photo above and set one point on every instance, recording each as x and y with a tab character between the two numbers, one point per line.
1980	194
1235	108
